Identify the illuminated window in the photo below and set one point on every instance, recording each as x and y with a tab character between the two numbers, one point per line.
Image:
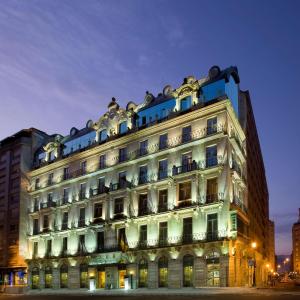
163	272
64	276
211	156
35	274
162	200
163	233
84	276
48	277
212	190
188	270
211	126
185	189
143	273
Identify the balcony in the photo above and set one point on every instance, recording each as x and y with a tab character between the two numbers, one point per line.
237	202
48	204
120	185
185	203
214	198
81	223
143	211
65	226
114	247
82	196
98	220
162	174
162	208
99	191
184	168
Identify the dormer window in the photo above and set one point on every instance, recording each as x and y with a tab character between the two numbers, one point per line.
51	155
103	135
122	127
185	103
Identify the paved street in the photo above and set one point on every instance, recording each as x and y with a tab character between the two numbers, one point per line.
182	294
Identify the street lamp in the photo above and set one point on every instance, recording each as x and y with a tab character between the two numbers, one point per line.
253	246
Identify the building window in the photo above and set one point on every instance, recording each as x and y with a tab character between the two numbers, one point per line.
122	241
163	169
97	211
163	272
212	190
81	221
35	284
66	173
82	193
185	103
163	233
65	246
143	273
48	277
143	175
35	249
211	156
163	141
50	179
233	222
185	190
143	204
49	198
188	268
46	223
83	167
143	147
36	204
123	127
65	220
212	126
122	154
103	135
187	162
212	227
35	226
122	180
81	247
66	195
84	276
143	236
49	248
64	276
119	206
102	161
37	183
187	236
51	156
100	240
162	200
186	134
101	185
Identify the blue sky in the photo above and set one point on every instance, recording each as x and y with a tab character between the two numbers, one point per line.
62	61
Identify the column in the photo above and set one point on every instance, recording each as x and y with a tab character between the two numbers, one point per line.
224	270
152	275
56	278
73	278
200	272
175	273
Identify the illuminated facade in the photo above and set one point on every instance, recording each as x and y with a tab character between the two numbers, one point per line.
296	246
154	195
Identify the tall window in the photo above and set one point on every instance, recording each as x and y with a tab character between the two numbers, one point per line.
49	198
163	141
51	156
143	174
65	246
212	227
103	135
186	161
49	248
46	223
163	233
122	154
163	169
102	161
64	276
101	185
37	183
100	240
163	272
162	200
143	273
211	156
81	217
81	247
212	126
35	249
65	220
143	236
122	179
66	195
212	190
185	191
97	211
50	179
185	103
66	173
84	276
35	278
188	268
119	206
144	147
83	167
123	127
82	193
187	230
35	226
143	204
48	277
36	204
186	134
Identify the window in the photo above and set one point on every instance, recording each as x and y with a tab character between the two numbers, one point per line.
103	135
185	189
233	222
81	247
66	195
49	248
36	204
122	241
35	278
143	174
211	156
82	193
35	249
163	141
187	230
51	156
64	276
186	134
143	209
162	200
82	216
46	223
119	206
163	272
185	103
212	190
144	147
143	236
212	227
50	179
212	126
83	167
48	277
37	183
163	233
35	226
188	266
98	210
65	220
65	245
123	127
66	173
84	276
122	179
143	273
100	240
102	161
101	185
122	154
163	169
49	197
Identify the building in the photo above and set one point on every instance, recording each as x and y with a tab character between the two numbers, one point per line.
153	195
16	155
296	246
271	246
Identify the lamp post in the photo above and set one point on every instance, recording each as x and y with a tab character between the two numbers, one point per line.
253	246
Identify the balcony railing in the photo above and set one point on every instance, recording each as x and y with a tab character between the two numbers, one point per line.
64	226
162	174
99	191
185	168
81	223
120	185
213	198
239	203
143	179
48	204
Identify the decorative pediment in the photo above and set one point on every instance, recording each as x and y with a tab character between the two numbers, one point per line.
51	146
187	89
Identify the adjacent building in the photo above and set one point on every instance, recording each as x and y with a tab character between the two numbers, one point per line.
168	193
16	156
296	246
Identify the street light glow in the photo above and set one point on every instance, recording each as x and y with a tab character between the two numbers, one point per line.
253	245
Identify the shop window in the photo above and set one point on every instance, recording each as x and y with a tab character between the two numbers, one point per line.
163	272
143	273
48	277
188	270
64	276
84	276
35	278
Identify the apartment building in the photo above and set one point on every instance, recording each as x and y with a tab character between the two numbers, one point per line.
296	246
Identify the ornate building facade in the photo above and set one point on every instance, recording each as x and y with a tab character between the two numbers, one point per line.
154	195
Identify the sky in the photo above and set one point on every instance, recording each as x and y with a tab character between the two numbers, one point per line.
62	61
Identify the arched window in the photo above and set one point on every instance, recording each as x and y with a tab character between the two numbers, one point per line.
163	272
143	273
48	277
188	270
83	276
64	276
213	268
35	278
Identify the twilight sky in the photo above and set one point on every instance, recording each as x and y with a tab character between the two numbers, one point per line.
62	61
